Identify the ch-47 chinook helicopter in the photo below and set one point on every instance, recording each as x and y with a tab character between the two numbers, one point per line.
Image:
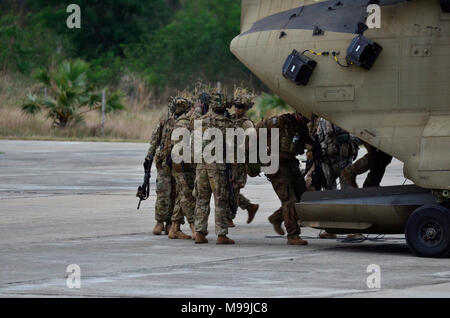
380	70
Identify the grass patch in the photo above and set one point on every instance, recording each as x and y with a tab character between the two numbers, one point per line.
129	126
135	124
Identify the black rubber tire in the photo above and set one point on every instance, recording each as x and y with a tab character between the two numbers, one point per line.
429	217
445	5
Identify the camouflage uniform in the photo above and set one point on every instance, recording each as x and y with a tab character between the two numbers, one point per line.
310	166
165	184
375	160
288	182
337	149
239	170
211	179
196	114
184	175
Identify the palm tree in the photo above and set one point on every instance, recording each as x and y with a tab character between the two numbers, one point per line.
69	95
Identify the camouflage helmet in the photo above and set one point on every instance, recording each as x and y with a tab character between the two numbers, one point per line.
202	92
179	105
218	102
242	98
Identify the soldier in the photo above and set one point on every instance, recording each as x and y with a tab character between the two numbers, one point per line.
165	184
242	102
375	161
211	179
337	151
310	170
184	176
288	182
200	108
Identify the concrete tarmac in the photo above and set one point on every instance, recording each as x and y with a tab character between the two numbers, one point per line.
64	203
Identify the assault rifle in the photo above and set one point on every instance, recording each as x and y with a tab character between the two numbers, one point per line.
205	99
231	196
143	191
318	178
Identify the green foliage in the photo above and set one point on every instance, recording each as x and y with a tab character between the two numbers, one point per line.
268	103
69	94
194	45
169	43
272	101
106	25
25	48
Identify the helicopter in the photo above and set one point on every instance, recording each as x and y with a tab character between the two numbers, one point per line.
381	71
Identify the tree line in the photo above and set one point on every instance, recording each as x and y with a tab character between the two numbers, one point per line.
168	43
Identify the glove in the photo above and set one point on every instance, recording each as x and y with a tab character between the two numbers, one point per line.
148	163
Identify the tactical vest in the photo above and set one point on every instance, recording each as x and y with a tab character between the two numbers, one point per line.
213	120
244	123
183	121
292	135
336	143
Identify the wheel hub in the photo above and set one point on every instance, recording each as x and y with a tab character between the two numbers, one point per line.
431	232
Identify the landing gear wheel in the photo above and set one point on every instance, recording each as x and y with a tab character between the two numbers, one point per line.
428	231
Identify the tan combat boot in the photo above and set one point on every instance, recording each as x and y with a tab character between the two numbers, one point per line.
192	226
349	177
252	209
277	226
159	227
181	235
223	239
296	240
231	223
200	238
176	233
173	231
326	235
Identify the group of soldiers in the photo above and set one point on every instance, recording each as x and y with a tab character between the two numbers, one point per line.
184	190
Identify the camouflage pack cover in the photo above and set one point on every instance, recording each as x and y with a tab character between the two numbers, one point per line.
243	96
218	102
180	104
